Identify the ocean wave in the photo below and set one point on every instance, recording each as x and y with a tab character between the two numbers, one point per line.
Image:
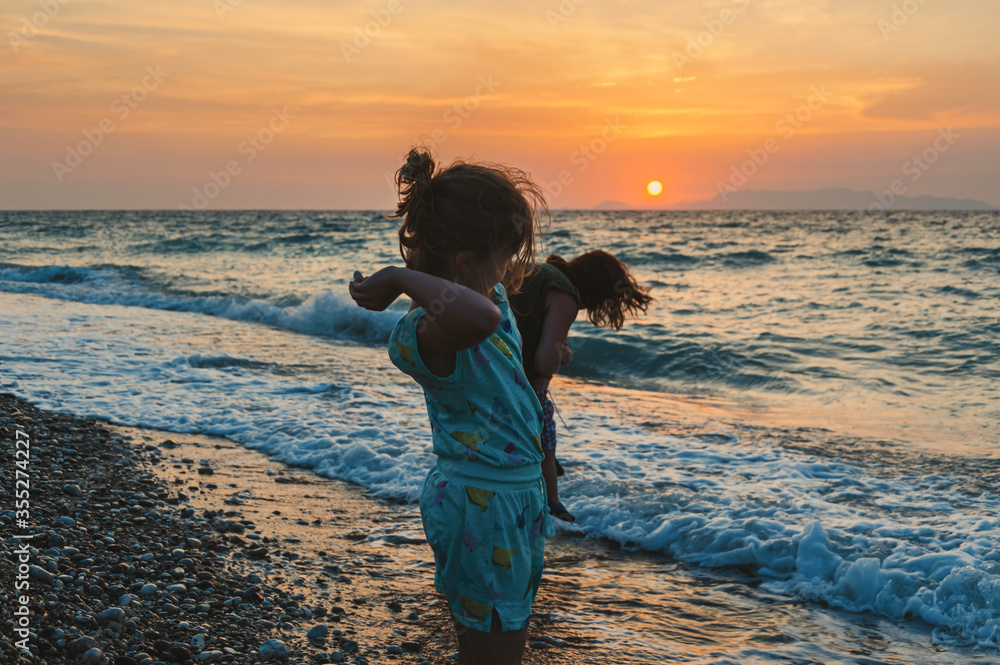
989	263
657	260
628	360
672	260
326	313
623	359
966	293
47	274
987	251
883	262
219	361
193	244
815	529
747	258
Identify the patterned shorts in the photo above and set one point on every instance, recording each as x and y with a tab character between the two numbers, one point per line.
548	420
489	546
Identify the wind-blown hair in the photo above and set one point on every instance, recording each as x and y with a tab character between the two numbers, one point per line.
608	291
466	207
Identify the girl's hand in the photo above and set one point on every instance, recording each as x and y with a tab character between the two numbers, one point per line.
566	354
375	292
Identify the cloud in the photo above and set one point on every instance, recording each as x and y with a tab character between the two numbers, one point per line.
955	94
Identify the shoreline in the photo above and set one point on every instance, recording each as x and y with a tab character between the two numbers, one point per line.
164	548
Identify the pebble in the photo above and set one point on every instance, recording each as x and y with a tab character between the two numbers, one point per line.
116	614
41	575
92	657
147	590
274	649
177	653
82	644
318	632
198	642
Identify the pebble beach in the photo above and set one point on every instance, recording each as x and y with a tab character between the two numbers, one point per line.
151	549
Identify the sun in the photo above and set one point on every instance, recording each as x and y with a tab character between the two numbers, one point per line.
654	188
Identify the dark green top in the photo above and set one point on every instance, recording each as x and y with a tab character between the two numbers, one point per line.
529	308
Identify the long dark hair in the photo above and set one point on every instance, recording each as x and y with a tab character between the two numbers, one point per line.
474	207
608	291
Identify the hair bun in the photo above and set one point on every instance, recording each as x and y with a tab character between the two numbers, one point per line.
412	180
419	167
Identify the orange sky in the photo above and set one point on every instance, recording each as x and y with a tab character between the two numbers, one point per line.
139	105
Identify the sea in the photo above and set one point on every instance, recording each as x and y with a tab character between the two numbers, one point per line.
793	457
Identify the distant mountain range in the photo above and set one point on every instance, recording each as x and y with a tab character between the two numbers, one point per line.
811	199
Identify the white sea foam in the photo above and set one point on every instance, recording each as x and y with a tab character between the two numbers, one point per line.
324	313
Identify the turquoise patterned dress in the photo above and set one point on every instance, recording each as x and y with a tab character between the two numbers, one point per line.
483	505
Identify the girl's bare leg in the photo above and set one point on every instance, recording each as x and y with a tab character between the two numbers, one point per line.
496	647
464	651
549	474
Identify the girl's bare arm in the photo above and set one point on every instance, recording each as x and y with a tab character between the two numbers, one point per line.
560	312
457	317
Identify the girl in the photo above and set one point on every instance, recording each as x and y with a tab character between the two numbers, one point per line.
546	307
465	229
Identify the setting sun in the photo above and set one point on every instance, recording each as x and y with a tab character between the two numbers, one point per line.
654	188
